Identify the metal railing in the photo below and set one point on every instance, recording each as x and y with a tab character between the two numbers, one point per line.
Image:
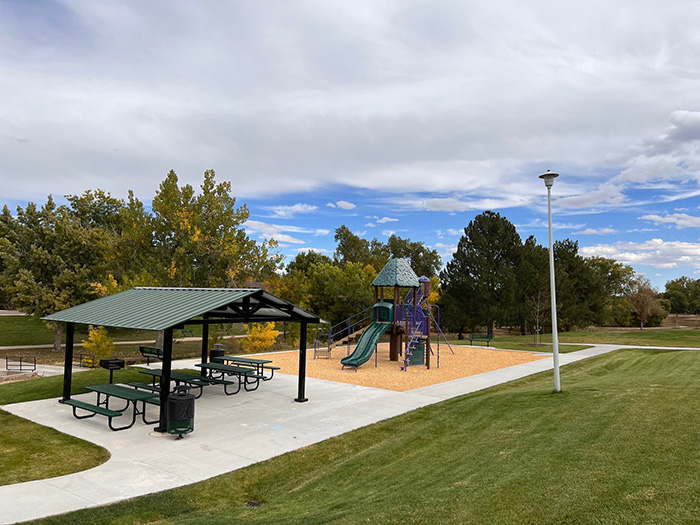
341	330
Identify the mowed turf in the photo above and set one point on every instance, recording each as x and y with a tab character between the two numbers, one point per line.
620	444
29	451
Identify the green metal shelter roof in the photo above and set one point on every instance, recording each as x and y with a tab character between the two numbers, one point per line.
397	272
160	308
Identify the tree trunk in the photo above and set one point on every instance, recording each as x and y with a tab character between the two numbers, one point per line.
489	328
57	337
160	337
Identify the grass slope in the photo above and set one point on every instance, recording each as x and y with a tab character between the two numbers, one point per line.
29	451
621	444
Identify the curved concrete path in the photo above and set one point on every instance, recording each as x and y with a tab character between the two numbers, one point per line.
230	432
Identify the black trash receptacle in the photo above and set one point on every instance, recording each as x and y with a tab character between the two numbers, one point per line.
215	352
180	411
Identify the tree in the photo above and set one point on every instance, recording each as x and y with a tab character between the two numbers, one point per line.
534	306
424	261
683	295
644	299
304	260
261	336
481	277
50	258
336	293
198	240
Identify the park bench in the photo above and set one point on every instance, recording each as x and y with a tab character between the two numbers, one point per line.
20	363
84	360
187	333
480	337
151	352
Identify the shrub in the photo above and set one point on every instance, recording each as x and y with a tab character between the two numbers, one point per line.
99	343
261	336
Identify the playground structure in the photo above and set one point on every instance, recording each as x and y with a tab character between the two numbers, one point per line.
408	322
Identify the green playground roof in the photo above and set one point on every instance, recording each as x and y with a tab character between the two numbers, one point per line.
397	272
160	308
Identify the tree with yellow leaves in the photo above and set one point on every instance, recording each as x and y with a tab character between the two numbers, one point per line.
260	337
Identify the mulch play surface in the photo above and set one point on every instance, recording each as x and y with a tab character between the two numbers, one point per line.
467	361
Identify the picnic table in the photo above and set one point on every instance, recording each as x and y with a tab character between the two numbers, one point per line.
259	365
130	395
179	377
246	376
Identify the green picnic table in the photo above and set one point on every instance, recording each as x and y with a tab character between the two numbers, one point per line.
260	365
179	377
130	395
246	376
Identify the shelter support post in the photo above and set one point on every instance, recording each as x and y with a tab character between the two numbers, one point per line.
68	363
205	346
165	379
301	397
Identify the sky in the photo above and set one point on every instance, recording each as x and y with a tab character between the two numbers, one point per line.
406	117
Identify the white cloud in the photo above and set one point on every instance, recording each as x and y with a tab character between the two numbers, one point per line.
388	233
345	205
655	252
287	212
330	205
370	225
681	220
541	223
593	231
445	250
384	220
312	249
277	231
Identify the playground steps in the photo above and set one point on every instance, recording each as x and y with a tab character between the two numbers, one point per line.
347	338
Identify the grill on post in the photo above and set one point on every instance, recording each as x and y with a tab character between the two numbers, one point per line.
111	365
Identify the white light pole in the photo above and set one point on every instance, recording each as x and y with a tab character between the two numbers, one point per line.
549	182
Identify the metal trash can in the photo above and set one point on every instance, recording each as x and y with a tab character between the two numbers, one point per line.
216	352
180	411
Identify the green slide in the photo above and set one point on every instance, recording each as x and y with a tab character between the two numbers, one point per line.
365	346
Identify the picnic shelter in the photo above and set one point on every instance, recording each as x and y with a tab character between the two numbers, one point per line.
169	309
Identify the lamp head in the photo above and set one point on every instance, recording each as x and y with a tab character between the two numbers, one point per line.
548	178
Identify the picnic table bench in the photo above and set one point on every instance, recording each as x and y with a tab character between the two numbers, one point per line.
259	365
246	376
480	337
130	395
175	375
151	352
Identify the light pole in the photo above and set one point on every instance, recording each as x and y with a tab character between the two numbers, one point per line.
549	182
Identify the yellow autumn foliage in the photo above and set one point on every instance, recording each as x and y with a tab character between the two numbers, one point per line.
261	336
99	343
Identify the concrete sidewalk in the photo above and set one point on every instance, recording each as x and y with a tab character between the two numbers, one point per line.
230	432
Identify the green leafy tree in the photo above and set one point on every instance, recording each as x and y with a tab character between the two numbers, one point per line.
51	258
304	260
481	278
683	295
424	261
336	293
534	304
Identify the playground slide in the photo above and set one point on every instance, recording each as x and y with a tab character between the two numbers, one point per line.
365	346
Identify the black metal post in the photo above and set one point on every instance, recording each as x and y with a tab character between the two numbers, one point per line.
68	363
205	346
301	398
165	379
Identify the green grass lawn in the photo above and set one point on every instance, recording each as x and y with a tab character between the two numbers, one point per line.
26	330
515	342
621	444
29	451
